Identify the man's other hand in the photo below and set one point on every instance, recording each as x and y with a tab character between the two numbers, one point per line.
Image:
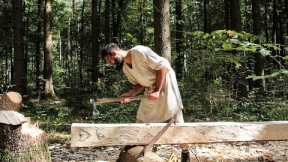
154	95
125	100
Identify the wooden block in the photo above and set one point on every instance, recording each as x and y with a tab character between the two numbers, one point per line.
86	135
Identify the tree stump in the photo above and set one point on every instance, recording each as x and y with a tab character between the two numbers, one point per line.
22	142
19	141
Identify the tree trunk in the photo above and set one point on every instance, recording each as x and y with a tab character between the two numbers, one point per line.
257	17
48	67
81	42
18	26
95	38
20	143
235	15
205	12
39	56
227	14
107	29
142	21
162	28
179	62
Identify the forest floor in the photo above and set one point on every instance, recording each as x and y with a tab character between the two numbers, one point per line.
56	116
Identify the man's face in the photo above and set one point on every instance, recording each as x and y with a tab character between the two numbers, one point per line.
113	58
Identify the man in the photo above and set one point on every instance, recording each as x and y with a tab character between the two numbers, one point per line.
152	74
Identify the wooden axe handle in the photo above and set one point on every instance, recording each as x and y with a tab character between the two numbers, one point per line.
115	100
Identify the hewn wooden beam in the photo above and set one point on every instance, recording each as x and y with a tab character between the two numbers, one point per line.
86	135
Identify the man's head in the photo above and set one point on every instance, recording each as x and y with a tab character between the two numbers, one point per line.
112	54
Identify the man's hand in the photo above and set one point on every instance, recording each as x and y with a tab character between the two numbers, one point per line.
125	97
154	95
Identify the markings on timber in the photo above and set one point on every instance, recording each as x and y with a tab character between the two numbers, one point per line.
84	135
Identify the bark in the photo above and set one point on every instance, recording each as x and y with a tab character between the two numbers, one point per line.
80	64
235	15
227	14
142	21
48	67
95	38
39	55
257	17
179	62
107	14
205	12
19	56
162	28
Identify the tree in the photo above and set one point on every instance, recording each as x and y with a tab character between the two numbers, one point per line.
162	28
107	14
96	5
39	56
257	17
205	12
20	66
232	14
48	44
179	62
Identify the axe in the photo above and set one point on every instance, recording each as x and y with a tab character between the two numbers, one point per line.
99	101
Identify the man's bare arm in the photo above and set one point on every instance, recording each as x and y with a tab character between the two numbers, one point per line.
137	89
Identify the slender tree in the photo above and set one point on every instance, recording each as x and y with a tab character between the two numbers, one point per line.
162	28
19	56
235	15
96	5
179	62
48	43
227	14
257	17
39	57
205	12
107	14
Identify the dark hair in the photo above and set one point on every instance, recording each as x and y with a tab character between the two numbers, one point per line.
108	49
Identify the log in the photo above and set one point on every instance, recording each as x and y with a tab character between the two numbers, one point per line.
86	135
10	101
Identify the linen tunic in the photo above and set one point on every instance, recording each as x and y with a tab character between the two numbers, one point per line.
145	64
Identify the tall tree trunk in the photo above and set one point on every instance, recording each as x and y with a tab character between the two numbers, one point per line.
115	12
227	14
257	17
275	22
81	42
257	30
141	21
266	21
95	38
205	12
107	14
18	26
39	56
286	10
179	62
123	4
162	28
235	15
48	66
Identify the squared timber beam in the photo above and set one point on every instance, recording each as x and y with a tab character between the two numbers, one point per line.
88	135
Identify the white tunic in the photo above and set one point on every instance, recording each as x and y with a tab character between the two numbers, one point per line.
145	64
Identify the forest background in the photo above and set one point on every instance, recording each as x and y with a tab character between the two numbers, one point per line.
230	56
